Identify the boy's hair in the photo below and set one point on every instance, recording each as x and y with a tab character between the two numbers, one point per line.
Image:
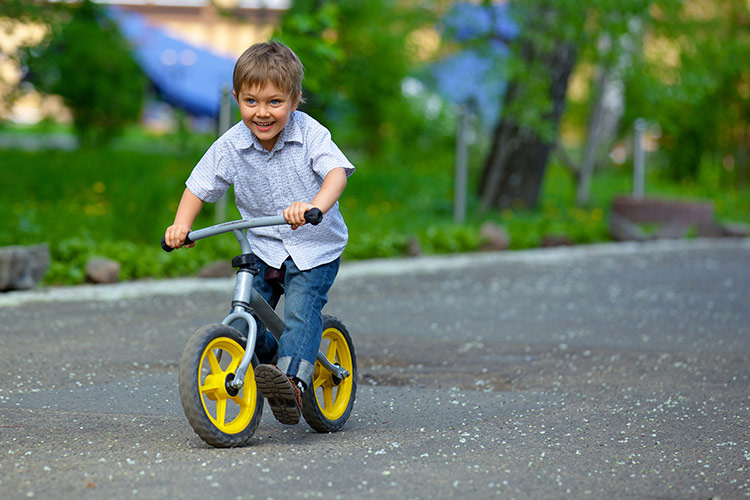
269	62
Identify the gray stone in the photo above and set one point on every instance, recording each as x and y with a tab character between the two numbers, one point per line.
556	240
735	230
621	229
493	237
101	270
22	267
413	248
217	269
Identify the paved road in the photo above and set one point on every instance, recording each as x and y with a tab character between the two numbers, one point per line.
617	370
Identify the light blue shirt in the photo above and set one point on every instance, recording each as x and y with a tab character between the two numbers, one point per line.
266	182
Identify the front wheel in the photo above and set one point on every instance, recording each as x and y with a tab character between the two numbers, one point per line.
327	404
221	415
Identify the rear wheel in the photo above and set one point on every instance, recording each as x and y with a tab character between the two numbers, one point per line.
221	415
327	404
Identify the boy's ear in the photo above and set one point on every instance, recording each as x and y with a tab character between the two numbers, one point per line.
234	94
299	100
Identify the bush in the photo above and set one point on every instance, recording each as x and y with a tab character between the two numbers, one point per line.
87	62
83	210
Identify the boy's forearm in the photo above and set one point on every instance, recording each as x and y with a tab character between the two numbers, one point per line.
331	190
189	208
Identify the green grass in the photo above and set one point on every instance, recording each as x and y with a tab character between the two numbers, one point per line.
116	203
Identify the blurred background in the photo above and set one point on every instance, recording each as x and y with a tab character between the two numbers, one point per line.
474	125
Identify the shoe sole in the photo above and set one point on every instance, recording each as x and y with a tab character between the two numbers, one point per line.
278	391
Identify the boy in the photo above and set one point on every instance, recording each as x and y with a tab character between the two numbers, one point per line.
279	160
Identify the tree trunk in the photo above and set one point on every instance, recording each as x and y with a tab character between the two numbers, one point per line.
515	167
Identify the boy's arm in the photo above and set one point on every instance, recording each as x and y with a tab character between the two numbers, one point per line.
187	211
333	185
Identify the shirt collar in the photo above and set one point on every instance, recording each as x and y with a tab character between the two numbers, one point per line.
291	133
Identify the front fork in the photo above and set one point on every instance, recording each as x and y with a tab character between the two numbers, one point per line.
247	300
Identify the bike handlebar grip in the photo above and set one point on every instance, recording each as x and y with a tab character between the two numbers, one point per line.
168	249
165	247
314	216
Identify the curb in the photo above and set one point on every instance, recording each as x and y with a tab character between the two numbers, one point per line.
371	268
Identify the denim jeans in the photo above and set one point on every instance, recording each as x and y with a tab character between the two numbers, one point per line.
306	292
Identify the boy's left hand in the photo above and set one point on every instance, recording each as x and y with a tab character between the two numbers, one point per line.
295	213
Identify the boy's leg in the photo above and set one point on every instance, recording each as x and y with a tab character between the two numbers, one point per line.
306	293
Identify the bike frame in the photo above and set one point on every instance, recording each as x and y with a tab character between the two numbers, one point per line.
247	301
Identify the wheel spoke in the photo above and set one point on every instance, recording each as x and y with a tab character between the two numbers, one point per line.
332	350
232	368
242	403
320	380
214	363
328	397
221	411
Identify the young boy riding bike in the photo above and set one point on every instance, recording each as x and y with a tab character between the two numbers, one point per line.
279	160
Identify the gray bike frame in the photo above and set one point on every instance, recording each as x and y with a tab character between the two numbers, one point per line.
244	293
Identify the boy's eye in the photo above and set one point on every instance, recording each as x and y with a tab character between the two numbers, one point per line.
275	102
250	100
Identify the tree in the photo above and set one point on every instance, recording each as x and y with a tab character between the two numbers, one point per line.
684	66
692	78
86	61
544	55
358	53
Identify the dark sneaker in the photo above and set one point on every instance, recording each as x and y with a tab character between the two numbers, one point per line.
283	395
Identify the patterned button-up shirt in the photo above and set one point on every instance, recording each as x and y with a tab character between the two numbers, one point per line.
266	182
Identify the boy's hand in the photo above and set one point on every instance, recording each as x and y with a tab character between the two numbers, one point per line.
176	234
295	213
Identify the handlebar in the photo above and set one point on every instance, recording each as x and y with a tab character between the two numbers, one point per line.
313	216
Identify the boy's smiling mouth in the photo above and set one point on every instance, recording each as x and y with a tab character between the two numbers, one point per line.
264	125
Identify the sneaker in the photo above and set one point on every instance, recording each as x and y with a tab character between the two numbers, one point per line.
283	395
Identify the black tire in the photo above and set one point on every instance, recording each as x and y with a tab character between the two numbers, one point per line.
328	402
208	361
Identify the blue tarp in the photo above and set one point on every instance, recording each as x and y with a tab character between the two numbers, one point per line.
186	76
472	76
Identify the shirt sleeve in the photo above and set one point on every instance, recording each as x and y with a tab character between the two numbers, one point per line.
209	180
325	155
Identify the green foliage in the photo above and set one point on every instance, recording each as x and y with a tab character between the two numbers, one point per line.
356	55
83	210
27	11
87	62
692	78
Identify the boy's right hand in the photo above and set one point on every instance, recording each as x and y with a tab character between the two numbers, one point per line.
175	236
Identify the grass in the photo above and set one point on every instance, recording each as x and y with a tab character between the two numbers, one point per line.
116	203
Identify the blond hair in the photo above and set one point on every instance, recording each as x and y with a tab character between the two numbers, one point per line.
269	62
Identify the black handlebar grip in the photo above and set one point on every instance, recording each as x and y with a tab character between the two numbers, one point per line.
167	248
314	216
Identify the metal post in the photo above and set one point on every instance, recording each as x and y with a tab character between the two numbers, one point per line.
462	160
224	122
639	159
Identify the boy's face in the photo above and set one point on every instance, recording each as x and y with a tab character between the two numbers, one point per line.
265	111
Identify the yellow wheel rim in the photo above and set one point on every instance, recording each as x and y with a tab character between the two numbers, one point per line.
333	399
229	413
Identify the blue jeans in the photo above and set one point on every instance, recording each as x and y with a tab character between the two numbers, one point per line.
306	292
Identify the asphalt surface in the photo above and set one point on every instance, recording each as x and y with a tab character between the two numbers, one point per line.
610	370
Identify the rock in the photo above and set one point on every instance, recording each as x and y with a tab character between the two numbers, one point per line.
101	270
621	229
22	267
735	230
217	269
556	240
672	219
493	237
413	248
673	231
